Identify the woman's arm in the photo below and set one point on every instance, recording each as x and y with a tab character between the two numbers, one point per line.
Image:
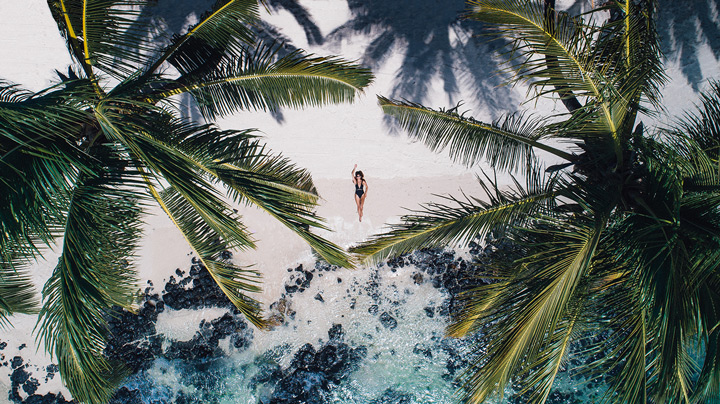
353	174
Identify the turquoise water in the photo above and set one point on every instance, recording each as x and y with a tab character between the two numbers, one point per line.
391	318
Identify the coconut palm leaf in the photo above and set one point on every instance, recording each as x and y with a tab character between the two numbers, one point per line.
234	281
543	291
703	126
222	30
33	202
92	275
708	381
256	80
569	43
628	47
273	184
26	119
627	362
17	292
658	250
506	145
251	175
103	34
259	188
178	169
39	167
239	151
440	225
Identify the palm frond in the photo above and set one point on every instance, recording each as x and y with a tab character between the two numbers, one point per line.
251	174
661	255
703	125
626	363
40	160
506	144
233	280
104	34
182	172
29	119
542	292
638	67
17	292
262	187
223	28
708	381
92	275
258	81
240	151
569	43
439	225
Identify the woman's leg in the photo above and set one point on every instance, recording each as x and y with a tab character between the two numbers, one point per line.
359	209
361	205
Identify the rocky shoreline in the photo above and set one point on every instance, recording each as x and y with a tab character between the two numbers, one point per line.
314	372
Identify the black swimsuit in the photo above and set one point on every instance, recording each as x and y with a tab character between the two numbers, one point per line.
359	190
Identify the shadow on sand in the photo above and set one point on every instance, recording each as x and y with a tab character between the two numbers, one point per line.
434	41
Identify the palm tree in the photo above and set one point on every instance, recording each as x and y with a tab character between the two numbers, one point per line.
620	242
83	159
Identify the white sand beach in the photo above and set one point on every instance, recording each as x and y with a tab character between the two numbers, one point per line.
401	174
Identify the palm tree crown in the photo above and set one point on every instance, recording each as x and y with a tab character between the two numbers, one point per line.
620	242
83	159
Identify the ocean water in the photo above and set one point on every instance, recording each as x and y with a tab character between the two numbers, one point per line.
372	335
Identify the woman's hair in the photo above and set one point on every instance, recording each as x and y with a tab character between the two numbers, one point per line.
360	173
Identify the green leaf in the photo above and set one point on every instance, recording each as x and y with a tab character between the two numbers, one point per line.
233	280
257	80
17	292
543	291
221	31
104	34
507	145
92	275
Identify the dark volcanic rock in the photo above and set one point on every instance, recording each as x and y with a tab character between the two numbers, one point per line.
31	386
16	362
388	321
132	339
126	396
204	344
203	291
336	333
299	280
49	398
313	374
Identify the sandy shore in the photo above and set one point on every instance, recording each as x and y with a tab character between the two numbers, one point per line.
279	248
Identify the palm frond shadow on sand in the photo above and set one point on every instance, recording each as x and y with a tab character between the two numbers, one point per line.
435	42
